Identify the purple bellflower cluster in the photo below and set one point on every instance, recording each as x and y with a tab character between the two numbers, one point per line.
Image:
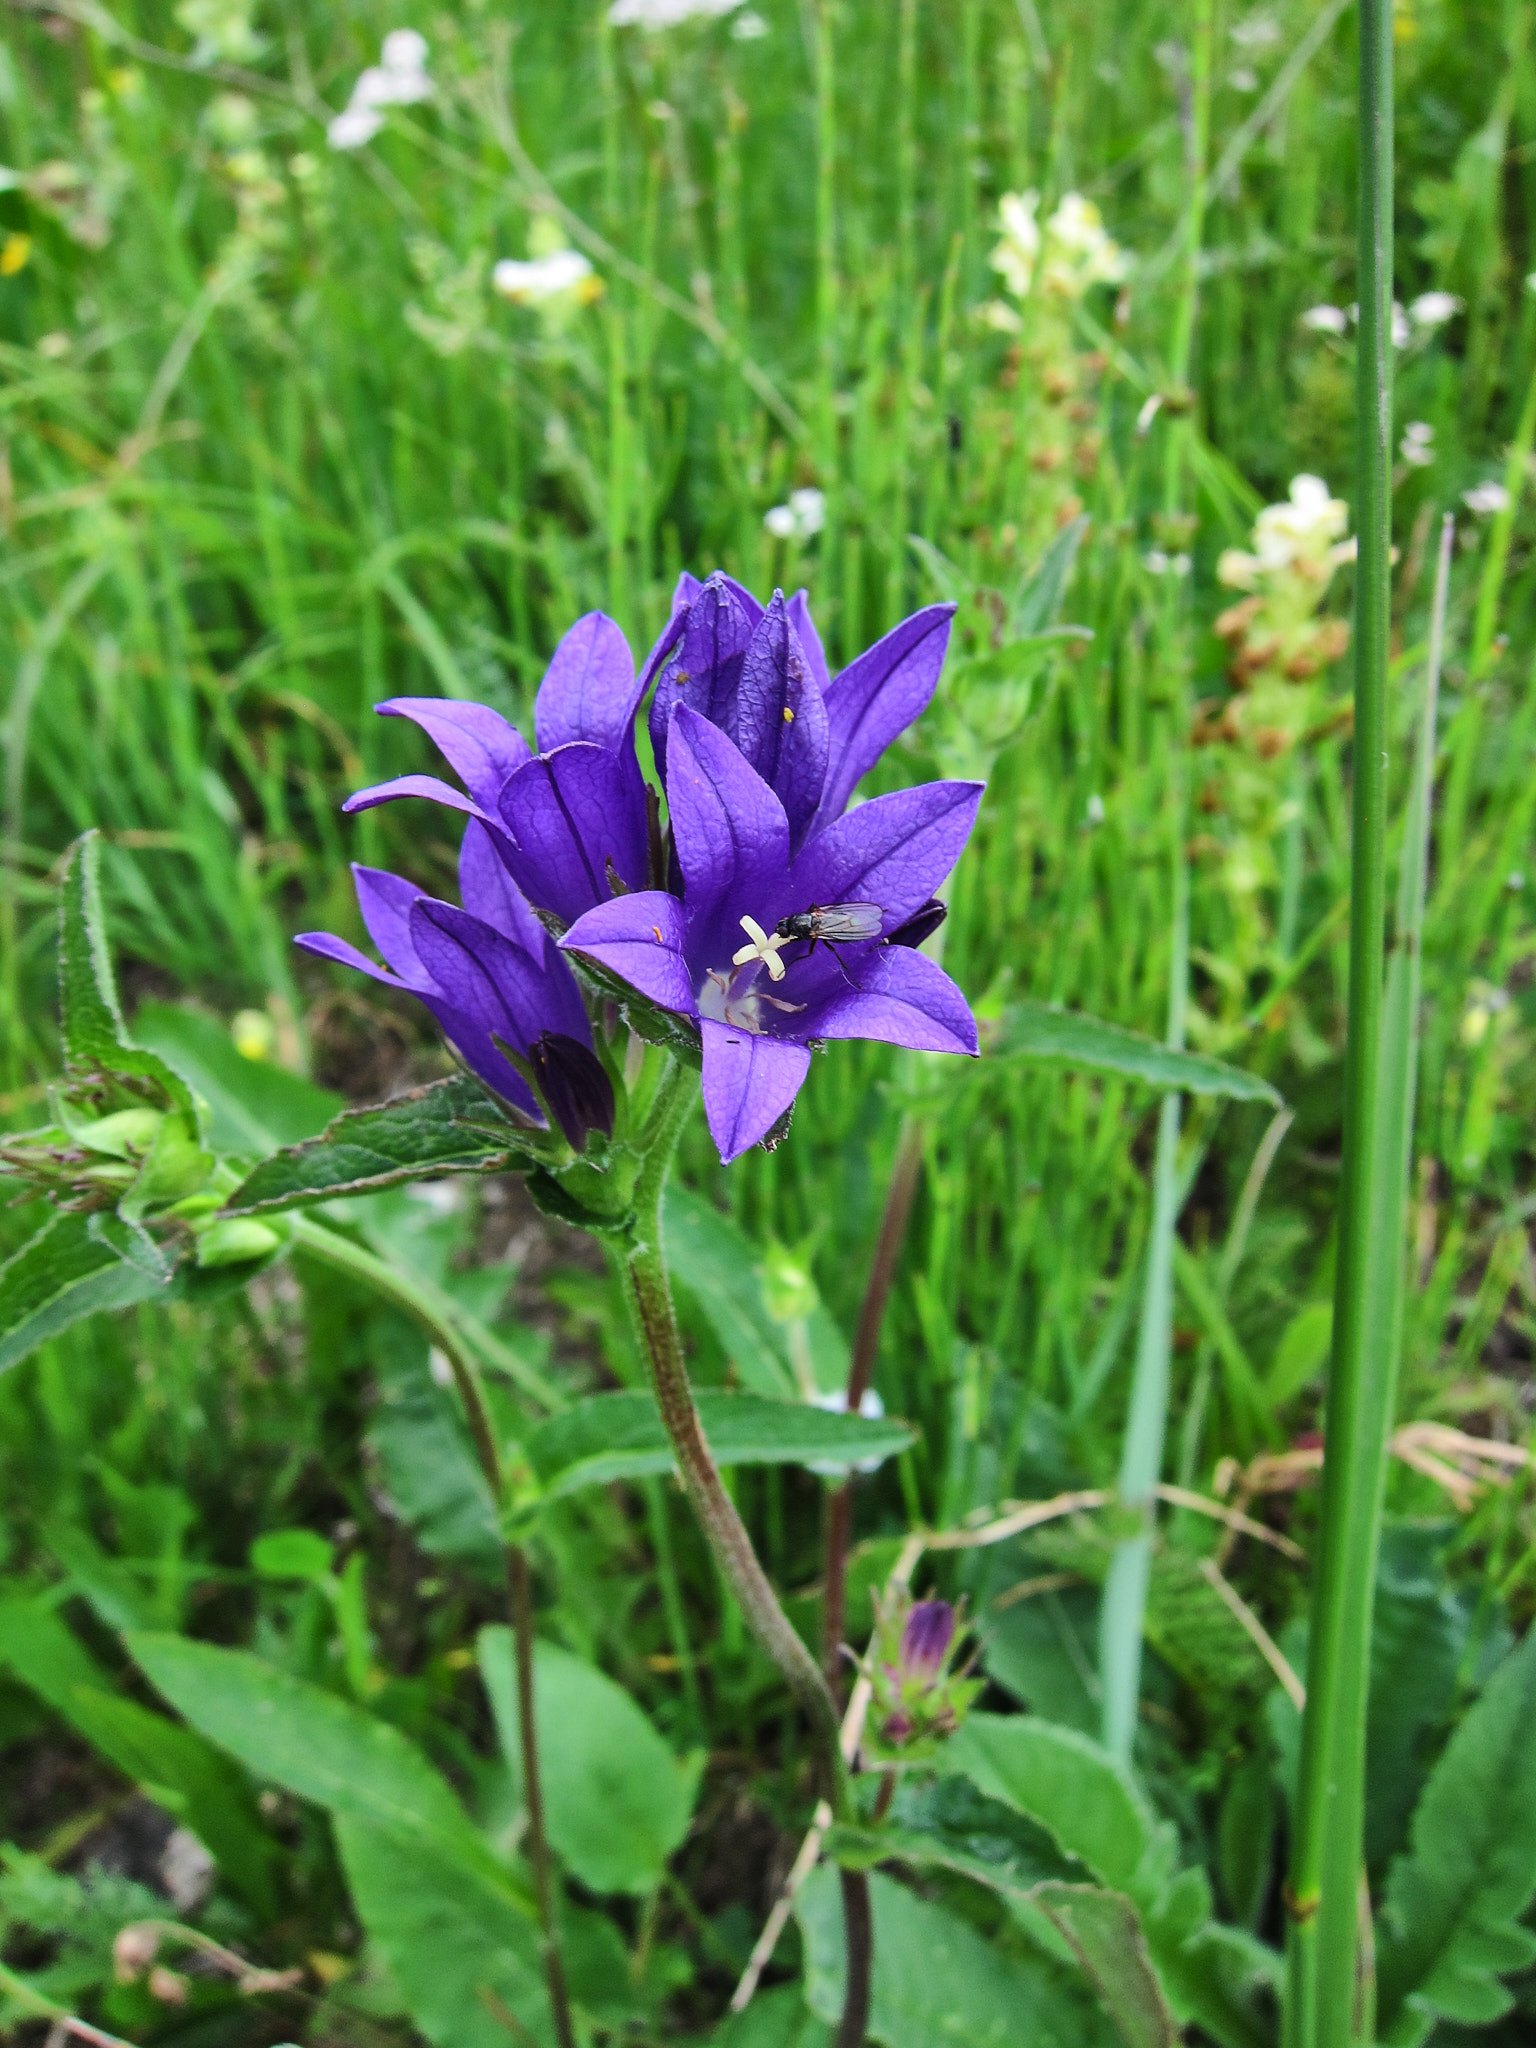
766	917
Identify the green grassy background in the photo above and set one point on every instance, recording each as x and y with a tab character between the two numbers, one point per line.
271	449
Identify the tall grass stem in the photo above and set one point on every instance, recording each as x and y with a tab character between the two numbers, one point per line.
1326	1843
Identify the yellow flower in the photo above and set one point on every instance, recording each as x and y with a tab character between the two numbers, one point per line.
14	252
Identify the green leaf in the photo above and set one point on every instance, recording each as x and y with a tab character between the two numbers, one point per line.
1453	1903
430	1471
1090	1805
69	1270
90	1017
462	1949
254	1107
1038	604
717	1263
309	1741
1104	1933
775	2019
937	1982
1301	1353
173	1765
438	1129
622	1436
1068	1038
617	1801
292	1554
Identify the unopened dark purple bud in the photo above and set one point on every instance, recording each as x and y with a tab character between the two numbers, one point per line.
926	1639
921	925
576	1090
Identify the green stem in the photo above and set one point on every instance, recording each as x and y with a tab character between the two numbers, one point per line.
648	1292
1325	1854
425	1304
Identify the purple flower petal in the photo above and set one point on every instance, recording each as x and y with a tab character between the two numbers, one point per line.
926	1639
895	850
492	980
590	689
640	938
780	720
575	1086
571	814
385	901
749	1082
878	696
729	828
705	669
810	640
487	891
416	785
902	998
327	947
477	743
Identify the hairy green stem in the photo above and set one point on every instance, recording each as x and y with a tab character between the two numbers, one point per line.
421	1302
648	1293
1325	1853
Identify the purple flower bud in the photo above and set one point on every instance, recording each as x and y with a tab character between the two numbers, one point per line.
922	926
576	1090
926	1639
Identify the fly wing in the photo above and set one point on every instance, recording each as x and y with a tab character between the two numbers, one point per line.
845	923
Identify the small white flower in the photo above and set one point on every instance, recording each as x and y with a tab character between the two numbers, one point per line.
662	14
350	130
1095	810
1486	499
1325	319
1160	564
746	28
1417	447
1433	309
1402	333
1258	32
404	50
871	1407
542	277
802	518
1243	79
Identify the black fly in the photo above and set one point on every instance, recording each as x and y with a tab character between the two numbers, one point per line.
832	925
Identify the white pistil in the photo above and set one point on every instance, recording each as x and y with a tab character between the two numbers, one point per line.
761	948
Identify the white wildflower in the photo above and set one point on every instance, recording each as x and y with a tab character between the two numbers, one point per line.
1258	32
746	28
1325	319
542	278
1417	446
801	519
1303	533
1094	815
399	79
871	1407
1486	499
1159	564
1433	309
661	14
1243	79
1069	253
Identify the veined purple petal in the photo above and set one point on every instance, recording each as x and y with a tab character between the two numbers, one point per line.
385	901
477	742
926	1639
705	670
590	689
749	1082
571	814
416	785
640	938
895	850
326	946
487	891
876	697
902	998
810	640
728	827
780	721
493	981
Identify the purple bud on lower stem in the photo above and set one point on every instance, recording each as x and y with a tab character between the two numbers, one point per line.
926	1639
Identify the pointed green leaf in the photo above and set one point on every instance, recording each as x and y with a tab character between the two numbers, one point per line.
1104	1932
313	1743
1068	1038
622	1436
448	1127
616	1799
90	1017
1451	1927
69	1270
